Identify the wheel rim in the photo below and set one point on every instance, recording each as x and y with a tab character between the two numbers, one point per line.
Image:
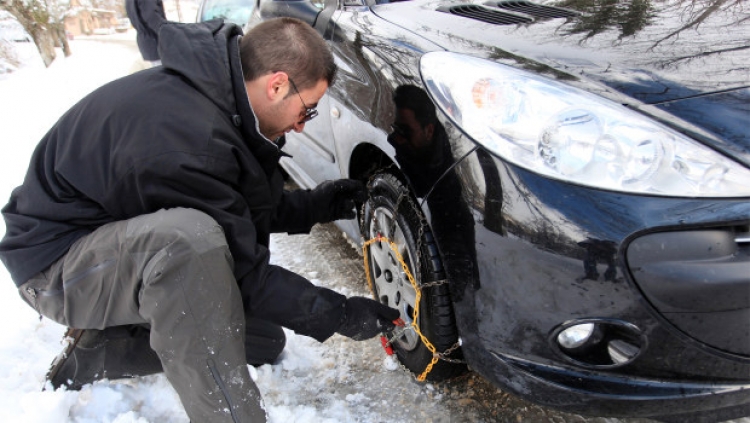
391	283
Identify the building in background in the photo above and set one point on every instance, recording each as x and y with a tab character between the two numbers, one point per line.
86	20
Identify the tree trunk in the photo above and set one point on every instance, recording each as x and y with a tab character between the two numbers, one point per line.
179	12
66	46
63	39
45	43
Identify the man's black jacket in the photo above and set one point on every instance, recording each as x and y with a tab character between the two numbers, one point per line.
180	135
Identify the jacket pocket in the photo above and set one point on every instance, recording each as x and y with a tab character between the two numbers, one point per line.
88	301
78	277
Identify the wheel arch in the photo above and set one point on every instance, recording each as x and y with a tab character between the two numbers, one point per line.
366	160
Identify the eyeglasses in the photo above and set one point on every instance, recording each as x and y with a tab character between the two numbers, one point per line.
310	112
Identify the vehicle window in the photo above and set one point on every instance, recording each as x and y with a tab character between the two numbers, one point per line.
235	11
320	4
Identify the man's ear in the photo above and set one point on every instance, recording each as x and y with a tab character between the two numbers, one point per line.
277	86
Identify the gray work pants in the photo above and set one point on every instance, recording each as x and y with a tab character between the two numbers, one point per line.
173	270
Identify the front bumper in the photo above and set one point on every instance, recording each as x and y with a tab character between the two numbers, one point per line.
607	395
545	253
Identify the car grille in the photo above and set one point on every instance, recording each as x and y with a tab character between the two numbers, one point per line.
486	14
533	9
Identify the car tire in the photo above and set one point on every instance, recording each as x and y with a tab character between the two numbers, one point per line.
400	221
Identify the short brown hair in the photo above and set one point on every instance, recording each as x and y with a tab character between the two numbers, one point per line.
288	45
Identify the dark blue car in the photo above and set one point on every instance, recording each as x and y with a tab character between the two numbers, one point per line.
559	192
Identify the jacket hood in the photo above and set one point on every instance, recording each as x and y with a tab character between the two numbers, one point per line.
207	55
200	53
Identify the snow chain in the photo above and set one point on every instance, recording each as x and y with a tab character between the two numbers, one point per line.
417	288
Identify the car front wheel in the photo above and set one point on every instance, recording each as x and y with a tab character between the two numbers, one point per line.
400	240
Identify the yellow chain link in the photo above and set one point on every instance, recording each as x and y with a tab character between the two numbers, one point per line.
415	314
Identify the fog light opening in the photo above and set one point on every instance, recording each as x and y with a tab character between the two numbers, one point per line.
598	343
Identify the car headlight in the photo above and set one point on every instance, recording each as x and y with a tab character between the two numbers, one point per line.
566	133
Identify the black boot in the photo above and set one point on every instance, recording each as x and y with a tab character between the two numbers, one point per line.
113	353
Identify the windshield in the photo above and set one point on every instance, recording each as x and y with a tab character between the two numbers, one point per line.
235	11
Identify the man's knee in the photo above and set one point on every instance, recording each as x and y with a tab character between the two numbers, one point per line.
178	227
178	240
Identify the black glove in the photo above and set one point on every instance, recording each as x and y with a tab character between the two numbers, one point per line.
365	318
335	200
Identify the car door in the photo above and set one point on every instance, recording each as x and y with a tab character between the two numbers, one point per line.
361	107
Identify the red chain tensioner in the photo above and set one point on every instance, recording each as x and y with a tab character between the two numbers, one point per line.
384	340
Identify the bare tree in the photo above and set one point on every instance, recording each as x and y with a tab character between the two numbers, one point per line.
698	11
179	12
43	21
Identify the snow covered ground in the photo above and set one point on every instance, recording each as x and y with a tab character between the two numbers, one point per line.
337	381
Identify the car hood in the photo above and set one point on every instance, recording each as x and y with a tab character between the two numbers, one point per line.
674	60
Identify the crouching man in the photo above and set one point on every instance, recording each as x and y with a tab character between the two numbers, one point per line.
145	215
